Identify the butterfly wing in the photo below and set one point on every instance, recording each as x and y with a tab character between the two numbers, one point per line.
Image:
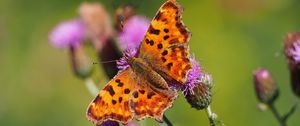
112	103
165	44
127	96
146	102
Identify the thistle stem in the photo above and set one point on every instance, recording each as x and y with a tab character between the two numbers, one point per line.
275	112
211	116
90	85
167	121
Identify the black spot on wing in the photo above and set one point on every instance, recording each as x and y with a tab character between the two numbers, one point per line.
135	94
110	89
150	95
158	15
126	91
164	53
153	31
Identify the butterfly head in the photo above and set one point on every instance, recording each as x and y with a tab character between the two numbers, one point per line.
123	63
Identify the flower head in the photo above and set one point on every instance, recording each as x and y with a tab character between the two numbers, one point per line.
98	23
109	123
133	32
68	33
295	51
292	53
200	96
197	88
122	64
266	89
193	76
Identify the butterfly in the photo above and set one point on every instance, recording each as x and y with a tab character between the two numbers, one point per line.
142	89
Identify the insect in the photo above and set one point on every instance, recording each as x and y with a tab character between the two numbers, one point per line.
142	89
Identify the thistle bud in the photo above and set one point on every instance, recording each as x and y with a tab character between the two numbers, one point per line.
198	86
266	89
80	61
292	53
200	98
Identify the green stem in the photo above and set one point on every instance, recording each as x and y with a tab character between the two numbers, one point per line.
275	112
167	121
211	116
90	85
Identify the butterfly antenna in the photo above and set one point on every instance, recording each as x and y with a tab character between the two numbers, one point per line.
103	62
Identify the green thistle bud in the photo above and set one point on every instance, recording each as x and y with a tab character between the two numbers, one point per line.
266	89
200	98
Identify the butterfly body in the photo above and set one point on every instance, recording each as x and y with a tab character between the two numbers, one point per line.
146	73
142	89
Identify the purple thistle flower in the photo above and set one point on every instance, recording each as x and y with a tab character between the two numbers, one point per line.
109	123
133	32
123	64
295	52
193	77
68	33
292	53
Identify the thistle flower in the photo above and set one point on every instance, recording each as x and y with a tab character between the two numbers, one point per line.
100	31
68	33
200	97
133	32
123	64
109	123
193	77
295	53
266	89
292	53
197	88
98	23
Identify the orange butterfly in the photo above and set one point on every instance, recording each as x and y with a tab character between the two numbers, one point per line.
142	90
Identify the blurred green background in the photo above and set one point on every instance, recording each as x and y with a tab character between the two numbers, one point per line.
230	37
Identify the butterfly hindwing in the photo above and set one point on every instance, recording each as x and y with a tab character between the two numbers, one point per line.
146	102
112	103
165	32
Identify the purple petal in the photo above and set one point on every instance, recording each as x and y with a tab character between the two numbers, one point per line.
67	33
295	53
193	76
109	123
133	32
122	64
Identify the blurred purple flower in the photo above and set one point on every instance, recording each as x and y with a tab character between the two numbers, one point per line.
295	52
133	32
67	33
122	64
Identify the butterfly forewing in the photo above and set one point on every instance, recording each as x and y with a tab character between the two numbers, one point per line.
166	33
